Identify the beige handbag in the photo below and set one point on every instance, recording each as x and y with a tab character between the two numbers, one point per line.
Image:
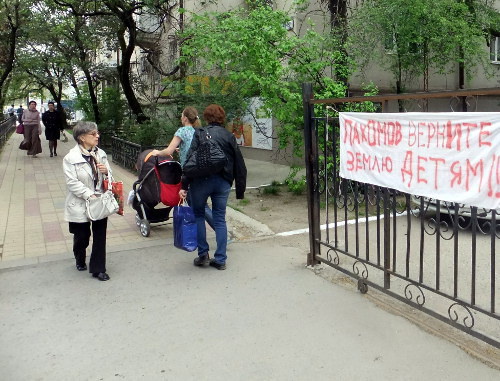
103	205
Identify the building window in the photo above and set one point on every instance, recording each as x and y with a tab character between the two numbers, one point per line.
495	50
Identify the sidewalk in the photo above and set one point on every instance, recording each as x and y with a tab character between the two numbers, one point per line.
32	227
160	318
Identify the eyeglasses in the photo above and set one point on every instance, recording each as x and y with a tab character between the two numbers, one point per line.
93	133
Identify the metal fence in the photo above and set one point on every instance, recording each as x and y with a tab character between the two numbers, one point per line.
436	256
125	152
7	126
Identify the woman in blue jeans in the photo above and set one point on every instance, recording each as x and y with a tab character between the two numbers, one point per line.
216	186
182	141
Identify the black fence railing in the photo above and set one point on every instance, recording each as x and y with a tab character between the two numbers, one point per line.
7	126
125	153
436	256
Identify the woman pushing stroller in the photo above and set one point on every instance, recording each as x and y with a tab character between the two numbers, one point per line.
182	140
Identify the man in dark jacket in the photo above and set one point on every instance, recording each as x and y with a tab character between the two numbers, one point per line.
53	127
216	186
19	113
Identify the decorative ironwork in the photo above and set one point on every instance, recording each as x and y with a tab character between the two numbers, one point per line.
468	319
335	260
363	273
470	103
419	299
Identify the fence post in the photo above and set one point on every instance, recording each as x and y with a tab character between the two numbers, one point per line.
312	173
387	239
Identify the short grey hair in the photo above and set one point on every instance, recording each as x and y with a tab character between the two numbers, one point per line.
83	128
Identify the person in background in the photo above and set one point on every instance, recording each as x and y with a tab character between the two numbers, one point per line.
19	113
84	168
11	110
217	187
53	127
32	130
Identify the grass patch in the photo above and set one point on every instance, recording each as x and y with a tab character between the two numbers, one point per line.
273	189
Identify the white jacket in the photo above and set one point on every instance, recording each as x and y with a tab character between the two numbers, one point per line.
80	183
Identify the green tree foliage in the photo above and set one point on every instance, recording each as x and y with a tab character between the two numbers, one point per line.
412	37
253	49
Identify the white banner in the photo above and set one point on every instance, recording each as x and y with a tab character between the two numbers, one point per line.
446	156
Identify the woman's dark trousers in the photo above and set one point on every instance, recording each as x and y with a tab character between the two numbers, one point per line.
81	237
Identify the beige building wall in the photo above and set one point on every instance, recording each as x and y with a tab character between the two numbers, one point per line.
386	83
318	14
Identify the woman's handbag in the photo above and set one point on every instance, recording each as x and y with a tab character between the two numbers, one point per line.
185	231
117	189
103	205
20	129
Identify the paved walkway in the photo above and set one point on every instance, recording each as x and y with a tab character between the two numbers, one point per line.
33	190
32	226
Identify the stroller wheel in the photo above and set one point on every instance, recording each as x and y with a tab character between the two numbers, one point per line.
145	228
137	219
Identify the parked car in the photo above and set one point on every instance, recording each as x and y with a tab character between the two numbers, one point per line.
484	216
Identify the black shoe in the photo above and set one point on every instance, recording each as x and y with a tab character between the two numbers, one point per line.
81	267
201	261
101	276
218	266
51	155
55	154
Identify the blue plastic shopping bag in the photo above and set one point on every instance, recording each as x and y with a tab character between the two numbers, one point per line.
185	228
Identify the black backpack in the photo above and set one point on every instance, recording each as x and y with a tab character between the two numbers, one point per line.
207	159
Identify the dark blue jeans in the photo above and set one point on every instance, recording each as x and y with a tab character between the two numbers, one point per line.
218	190
208	212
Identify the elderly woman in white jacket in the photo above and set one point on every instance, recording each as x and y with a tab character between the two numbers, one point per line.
84	168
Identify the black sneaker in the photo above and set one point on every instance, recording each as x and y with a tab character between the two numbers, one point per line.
218	266
201	261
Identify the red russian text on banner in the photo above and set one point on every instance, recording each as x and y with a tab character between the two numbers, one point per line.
447	156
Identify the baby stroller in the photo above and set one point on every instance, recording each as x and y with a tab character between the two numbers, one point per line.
159	181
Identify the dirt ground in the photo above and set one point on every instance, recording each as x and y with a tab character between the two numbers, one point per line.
281	212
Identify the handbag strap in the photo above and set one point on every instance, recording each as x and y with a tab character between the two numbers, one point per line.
109	177
110	181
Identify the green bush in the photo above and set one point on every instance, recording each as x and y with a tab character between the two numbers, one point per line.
296	186
154	132
274	188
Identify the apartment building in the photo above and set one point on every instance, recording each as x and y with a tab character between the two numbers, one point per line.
160	48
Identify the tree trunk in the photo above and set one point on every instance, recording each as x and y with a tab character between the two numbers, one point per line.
338	28
74	84
127	49
461	79
13	24
93	96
